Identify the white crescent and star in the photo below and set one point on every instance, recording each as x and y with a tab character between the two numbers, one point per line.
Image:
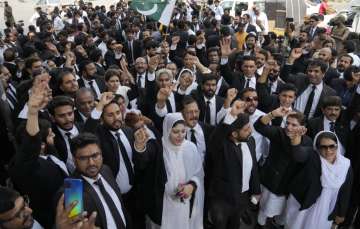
148	12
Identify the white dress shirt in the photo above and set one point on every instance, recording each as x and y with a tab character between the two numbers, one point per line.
122	178
262	143
163	111
326	124
300	102
109	218
96	87
56	161
200	139
74	132
218	85
215	117
252	82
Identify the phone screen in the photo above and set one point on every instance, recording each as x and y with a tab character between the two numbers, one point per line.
74	192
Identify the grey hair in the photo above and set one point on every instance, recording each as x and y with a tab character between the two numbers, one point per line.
164	71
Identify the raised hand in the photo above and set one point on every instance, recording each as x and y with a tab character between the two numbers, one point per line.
280	112
237	108
163	94
153	63
295	54
41	94
105	99
225	45
231	94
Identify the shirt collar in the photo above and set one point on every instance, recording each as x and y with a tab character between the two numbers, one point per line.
90	180
73	131
212	100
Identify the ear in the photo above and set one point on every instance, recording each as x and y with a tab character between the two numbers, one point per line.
234	134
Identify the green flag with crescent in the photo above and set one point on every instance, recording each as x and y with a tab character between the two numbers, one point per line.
159	10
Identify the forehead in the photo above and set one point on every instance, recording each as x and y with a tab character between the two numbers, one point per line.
63	109
112	107
250	94
345	58
88	150
85	96
140	61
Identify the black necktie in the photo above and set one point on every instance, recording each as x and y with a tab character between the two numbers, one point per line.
332	126
309	102
207	112
269	87
131	52
192	137
91	83
110	203
247	84
68	136
126	159
139	81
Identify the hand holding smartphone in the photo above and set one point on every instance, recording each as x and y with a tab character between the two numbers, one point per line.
74	192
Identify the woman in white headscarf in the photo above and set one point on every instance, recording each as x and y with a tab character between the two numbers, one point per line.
186	82
320	193
183	191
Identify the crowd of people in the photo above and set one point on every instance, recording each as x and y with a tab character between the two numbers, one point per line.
212	122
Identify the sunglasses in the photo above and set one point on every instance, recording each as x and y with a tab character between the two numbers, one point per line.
328	147
249	99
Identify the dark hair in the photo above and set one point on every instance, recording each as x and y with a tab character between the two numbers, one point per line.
349	71
29	61
251	35
7	199
62	74
111	72
318	63
207	77
265	53
83	65
349	46
83	140
287	87
187	100
298	116
331	101
178	122
59	101
95	54
315	17
9	54
44	126
213	49
248	89
247	58
323	135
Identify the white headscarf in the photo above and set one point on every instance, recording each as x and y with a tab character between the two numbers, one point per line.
333	175
191	87
182	164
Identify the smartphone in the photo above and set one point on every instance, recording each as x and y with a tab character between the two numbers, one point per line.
74	192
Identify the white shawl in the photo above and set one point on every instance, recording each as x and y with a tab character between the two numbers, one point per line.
182	164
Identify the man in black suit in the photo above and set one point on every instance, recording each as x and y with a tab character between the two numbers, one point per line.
222	86
66	84
210	104
314	21
117	145
280	165
101	193
61	108
84	103
9	61
330	121
8	87
89	79
36	170
132	47
346	87
311	88
248	68
235	176
95	55
246	19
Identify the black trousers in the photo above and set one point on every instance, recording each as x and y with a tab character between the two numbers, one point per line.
225	215
137	216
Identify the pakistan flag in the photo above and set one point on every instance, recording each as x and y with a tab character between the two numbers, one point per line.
159	10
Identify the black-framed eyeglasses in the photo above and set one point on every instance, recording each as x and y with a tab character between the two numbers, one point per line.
249	99
21	214
326	147
94	157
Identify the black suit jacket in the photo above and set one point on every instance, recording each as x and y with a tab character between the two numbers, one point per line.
226	171
100	69
108	143
36	177
99	82
12	67
137	50
315	125
223	88
59	141
301	81
199	97
234	79
251	28
281	164
330	75
92	201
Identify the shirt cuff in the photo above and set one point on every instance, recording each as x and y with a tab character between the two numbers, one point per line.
95	114
151	76
224	60
161	112
358	89
229	119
